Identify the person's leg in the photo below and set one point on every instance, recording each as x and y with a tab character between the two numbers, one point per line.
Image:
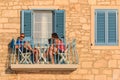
48	52
51	56
55	55
36	55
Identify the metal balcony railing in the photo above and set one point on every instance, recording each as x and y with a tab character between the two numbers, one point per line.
40	55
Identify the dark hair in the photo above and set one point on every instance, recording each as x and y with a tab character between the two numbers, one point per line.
55	35
50	41
22	34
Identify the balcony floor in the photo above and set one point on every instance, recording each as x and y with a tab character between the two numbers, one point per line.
25	67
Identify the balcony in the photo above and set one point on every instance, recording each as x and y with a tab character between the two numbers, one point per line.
67	60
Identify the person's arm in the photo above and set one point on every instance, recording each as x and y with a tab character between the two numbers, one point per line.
27	45
17	44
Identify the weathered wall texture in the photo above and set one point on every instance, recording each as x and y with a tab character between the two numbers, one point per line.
94	64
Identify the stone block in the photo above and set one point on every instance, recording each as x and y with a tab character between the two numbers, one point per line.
95	71
3	20
86	27
100	63
14	20
116	74
88	77
61	2
82	71
117	56
100	77
92	2
107	71
10	13
83	20
87	64
112	63
16	7
74	1
8	30
11	26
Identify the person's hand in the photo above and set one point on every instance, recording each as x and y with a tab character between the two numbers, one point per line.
16	46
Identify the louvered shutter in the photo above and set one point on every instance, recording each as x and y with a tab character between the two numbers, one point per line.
112	27
100	27
26	23
59	23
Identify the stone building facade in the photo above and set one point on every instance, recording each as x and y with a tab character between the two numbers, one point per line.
94	63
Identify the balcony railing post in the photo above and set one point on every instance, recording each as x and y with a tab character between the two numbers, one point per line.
14	54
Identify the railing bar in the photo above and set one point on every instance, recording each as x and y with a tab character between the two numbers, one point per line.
69	51
77	61
73	53
37	53
57	55
19	53
11	57
47	57
14	56
12	60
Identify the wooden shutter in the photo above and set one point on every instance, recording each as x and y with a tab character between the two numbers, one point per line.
59	23
112	27
26	23
100	27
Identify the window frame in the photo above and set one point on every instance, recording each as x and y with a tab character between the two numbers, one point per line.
56	15
92	38
106	11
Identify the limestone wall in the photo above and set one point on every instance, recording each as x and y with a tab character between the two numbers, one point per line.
94	64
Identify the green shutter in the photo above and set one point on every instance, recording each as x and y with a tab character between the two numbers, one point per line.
100	27
26	23
112	27
59	23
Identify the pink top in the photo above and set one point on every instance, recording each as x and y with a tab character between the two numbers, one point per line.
61	46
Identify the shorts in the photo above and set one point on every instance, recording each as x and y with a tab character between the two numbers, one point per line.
60	51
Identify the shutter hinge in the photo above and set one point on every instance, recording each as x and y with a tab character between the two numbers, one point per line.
95	41
95	13
53	13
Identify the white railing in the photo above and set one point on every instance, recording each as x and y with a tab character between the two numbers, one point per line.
40	53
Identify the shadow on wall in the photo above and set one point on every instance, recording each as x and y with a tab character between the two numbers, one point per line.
7	64
9	71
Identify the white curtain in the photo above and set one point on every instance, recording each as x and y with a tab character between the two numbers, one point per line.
42	28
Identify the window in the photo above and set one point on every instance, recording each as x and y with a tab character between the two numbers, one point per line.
38	25
106	27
